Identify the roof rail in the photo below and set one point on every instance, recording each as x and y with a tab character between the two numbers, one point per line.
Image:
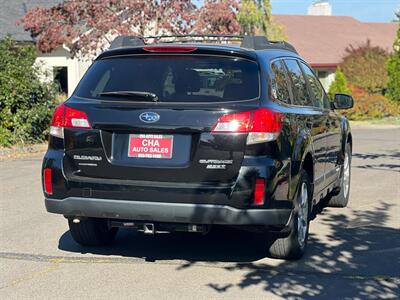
191	38
247	41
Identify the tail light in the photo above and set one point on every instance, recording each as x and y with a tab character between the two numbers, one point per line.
259	191
66	117
263	125
48	185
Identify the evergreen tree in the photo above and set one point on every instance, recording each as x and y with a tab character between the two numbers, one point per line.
393	67
339	85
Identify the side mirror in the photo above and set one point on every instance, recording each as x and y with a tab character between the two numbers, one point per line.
343	101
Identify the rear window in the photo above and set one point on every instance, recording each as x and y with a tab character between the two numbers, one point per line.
173	78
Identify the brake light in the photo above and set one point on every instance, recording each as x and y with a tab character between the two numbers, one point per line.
66	117
263	125
240	122
170	49
259	191
48	186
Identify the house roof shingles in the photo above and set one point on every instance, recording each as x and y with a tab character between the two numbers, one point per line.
13	10
322	40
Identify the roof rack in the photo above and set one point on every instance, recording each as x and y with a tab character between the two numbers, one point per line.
244	41
258	42
195	38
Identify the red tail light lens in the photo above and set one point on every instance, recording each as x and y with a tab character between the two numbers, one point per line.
261	124
265	120
259	191
240	122
48	186
170	49
66	117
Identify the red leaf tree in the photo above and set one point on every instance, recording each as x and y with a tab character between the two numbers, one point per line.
218	17
88	25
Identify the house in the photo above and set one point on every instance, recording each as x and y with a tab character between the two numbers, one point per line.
322	39
58	65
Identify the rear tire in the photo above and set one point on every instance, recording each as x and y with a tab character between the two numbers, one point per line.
293	245
342	198
92	232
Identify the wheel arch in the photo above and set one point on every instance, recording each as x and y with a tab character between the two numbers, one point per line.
302	159
308	166
347	137
350	140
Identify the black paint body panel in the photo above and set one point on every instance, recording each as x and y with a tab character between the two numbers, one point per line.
183	179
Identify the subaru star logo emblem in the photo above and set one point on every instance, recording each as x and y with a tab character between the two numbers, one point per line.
149	117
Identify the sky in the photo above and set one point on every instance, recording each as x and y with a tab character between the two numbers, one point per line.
363	10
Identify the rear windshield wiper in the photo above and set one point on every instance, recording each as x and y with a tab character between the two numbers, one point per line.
138	95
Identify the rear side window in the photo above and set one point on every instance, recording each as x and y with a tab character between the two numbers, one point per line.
173	78
301	96
279	83
315	85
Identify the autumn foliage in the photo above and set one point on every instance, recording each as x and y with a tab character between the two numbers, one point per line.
371	106
218	17
89	25
365	67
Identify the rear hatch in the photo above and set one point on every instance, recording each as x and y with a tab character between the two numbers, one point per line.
151	117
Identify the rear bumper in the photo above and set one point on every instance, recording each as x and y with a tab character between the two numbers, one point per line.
166	212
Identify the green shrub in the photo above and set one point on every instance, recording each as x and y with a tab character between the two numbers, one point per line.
393	67
26	103
339	85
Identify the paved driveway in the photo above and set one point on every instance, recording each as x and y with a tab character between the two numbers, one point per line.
353	252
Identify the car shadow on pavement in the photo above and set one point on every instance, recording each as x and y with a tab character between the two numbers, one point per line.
387	154
376	161
358	250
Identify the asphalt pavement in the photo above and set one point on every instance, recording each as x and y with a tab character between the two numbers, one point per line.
353	253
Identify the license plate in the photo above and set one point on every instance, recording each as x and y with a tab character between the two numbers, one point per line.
150	145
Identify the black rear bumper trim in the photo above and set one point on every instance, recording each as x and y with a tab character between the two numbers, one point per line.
166	212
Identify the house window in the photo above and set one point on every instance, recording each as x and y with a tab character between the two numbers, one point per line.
61	79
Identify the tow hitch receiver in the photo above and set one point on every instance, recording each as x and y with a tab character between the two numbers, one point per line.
153	228
149	228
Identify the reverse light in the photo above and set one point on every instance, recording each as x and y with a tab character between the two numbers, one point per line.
263	125
259	191
66	117
48	186
170	49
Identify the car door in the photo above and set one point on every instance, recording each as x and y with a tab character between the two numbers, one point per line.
311	120
332	124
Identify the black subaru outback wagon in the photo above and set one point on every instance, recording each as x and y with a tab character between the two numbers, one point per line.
186	132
